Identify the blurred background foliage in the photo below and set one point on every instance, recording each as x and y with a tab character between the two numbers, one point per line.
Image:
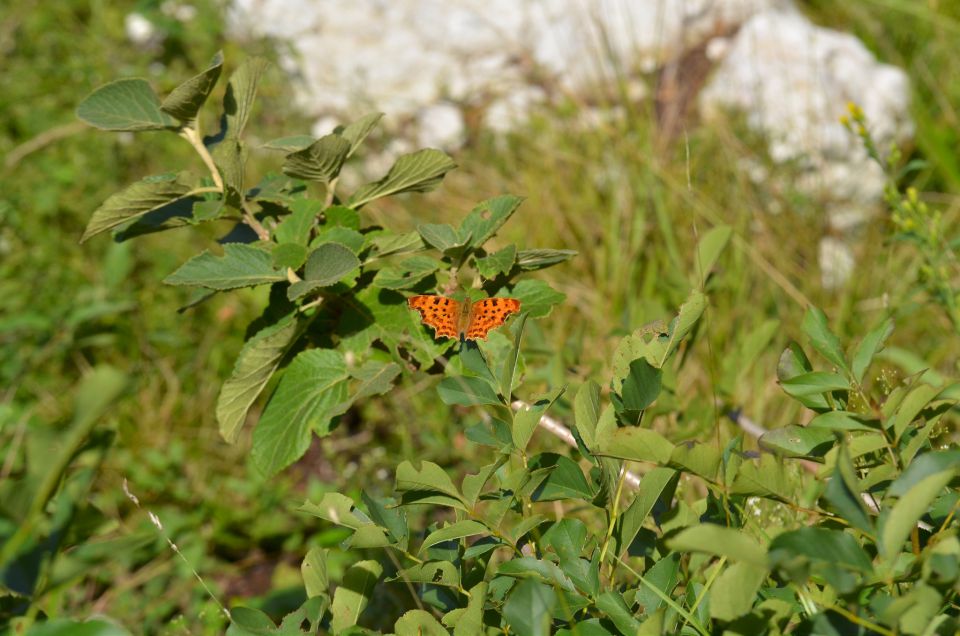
630	204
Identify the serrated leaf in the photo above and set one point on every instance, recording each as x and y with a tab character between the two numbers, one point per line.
240	266
256	364
500	262
486	218
530	260
822	339
229	156
311	393
353	595
125	105
420	171
327	264
407	272
355	132
536	297
388	243
419	623
185	101
440	236
289	255
240	94
296	226
291	143
136	200
320	161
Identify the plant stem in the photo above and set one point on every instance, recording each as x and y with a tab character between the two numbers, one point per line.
614	512
262	233
192	135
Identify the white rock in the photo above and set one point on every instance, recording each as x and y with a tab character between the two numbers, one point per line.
836	262
793	81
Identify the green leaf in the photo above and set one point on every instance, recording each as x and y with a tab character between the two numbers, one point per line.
185	101
922	467
690	312
735	591
229	156
814	383
136	200
416	484
442	573
388	243
641	386
291	143
612	604
530	260
663	577
844	421
527	418
355	132
419	622
799	441
510	362
240	94
486	218
256	364
530	567
421	171
763	478
915	503
314	572
536	297
407	273
914	402
248	621
822	339
720	541
820	544
500	262
699	459
565	480
467	391
125	105
311	393
871	344
327	265
289	255
636	444
529	607
440	236
657	485
586	410
470	621
472	361
69	627
240	266
458	530
353	595
320	161
709	249
296	227
843	492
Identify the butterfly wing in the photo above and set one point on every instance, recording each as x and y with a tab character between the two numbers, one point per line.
488	314
439	312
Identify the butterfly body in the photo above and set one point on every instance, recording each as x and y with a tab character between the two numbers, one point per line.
467	321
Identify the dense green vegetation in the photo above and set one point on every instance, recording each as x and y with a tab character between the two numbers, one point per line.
383	478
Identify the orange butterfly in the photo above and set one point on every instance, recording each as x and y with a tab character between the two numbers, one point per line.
468	321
